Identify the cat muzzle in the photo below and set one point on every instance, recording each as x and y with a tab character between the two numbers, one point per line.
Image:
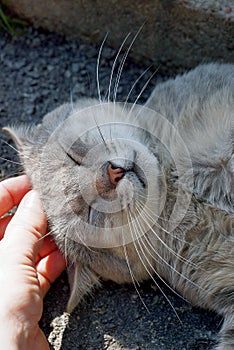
115	174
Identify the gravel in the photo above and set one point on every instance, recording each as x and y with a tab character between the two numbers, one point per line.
38	72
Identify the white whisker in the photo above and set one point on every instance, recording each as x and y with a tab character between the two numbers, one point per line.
46	235
97	69
134	280
120	70
148	196
154	258
149	273
15	149
142	90
134	84
72	104
10	161
164	261
99	131
162	219
147	217
114	65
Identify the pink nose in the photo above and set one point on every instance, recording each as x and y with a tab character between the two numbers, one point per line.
115	174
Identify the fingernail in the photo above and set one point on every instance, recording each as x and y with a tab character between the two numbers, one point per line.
30	199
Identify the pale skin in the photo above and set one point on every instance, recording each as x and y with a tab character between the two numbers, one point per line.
29	264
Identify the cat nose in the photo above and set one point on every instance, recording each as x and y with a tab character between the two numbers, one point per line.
115	173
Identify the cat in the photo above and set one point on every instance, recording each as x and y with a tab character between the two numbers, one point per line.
132	192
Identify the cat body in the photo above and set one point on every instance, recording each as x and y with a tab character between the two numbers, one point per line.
138	192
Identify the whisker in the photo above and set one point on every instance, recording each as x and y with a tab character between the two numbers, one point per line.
155	271
162	219
71	101
120	70
10	161
134	84
148	196
8	144
97	69
134	280
150	274
156	260
66	245
146	216
124	245
66	248
46	235
158	217
99	131
15	149
142	90
144	206
165	262
114	65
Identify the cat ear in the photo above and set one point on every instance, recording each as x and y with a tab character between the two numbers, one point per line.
81	280
20	136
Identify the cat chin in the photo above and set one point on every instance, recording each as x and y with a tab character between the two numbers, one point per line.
110	233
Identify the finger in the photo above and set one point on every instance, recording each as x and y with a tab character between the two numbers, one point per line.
12	191
27	226
3	224
49	268
47	247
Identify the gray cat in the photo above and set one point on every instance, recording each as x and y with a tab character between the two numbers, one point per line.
137	191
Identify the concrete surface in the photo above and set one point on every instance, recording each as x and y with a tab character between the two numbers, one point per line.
176	33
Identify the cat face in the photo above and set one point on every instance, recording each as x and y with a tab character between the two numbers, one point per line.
97	172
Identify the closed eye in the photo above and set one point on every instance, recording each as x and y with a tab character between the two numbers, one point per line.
140	174
78	162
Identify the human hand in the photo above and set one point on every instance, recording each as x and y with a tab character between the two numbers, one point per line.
28	265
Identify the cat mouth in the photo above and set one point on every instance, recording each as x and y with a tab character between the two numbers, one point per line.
116	173
108	207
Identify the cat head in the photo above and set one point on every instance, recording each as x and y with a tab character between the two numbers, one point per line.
97	171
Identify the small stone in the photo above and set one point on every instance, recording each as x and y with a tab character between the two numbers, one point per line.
30	110
49	67
154	287
35	74
20	64
102	312
111	326
138	316
155	300
33	82
36	42
67	74
134	297
75	67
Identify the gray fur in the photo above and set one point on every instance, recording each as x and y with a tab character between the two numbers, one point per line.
188	166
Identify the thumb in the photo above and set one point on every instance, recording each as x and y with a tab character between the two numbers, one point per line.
27	226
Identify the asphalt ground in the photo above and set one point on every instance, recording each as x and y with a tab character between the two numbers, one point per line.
38	72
